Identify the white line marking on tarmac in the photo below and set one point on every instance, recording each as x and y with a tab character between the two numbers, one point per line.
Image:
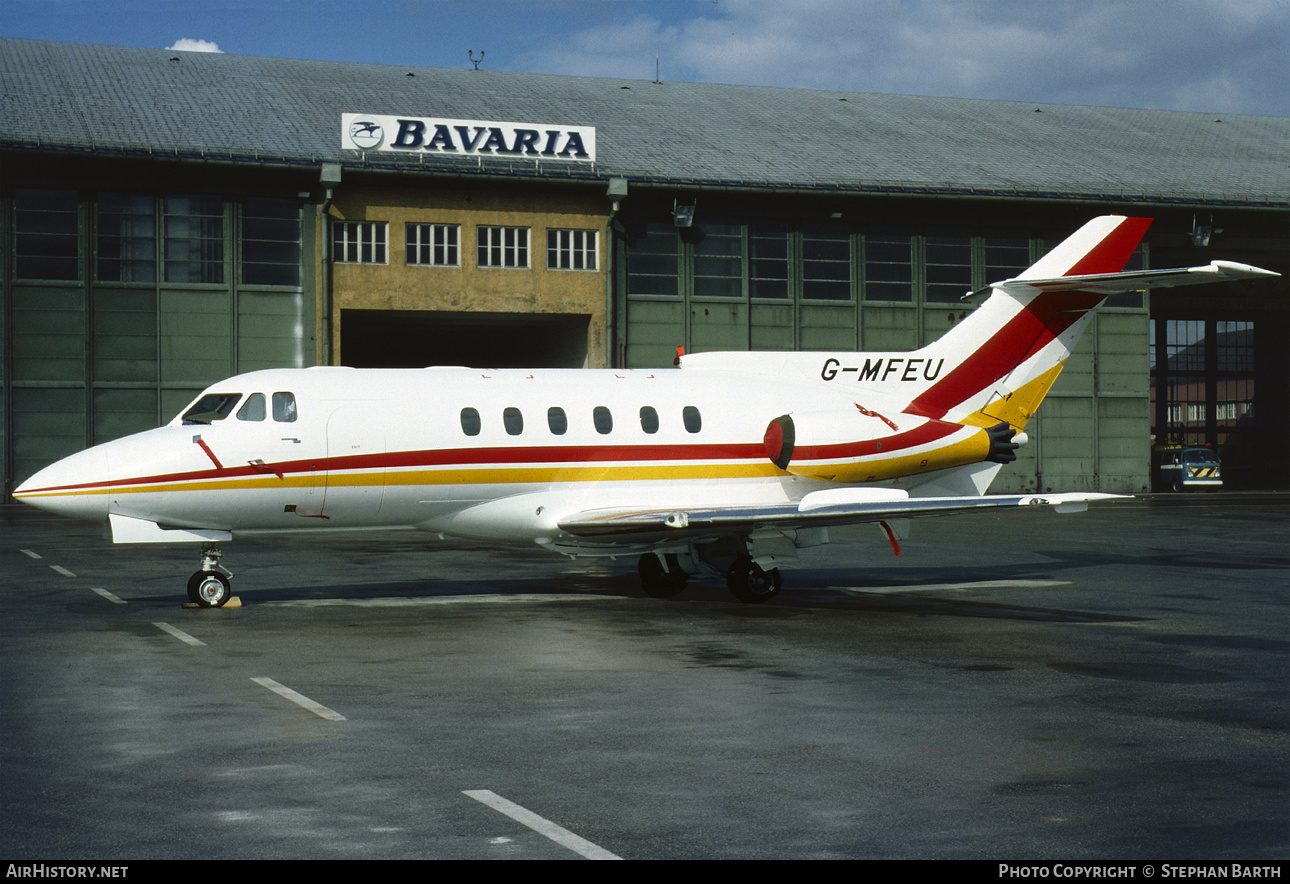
959	587
299	699
107	595
30	554
61	570
545	827
180	634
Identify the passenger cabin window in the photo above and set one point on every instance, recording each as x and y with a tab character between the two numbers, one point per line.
603	420
470	423
253	409
513	421
557	420
284	407
211	407
693	420
649	419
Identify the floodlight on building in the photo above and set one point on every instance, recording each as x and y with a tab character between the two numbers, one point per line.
683	216
1200	235
617	191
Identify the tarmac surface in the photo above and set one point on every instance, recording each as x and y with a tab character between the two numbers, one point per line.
1105	685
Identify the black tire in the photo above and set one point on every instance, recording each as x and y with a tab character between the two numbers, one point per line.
209	589
661	582
192	587
751	583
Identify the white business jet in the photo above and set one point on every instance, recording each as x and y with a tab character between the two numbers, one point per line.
729	465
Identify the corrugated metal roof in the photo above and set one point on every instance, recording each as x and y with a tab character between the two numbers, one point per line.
168	103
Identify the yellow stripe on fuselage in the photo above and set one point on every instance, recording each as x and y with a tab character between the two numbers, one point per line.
498	475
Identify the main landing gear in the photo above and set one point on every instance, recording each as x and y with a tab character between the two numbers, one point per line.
209	587
662	576
752	583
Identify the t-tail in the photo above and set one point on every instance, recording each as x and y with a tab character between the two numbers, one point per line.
963	399
1000	362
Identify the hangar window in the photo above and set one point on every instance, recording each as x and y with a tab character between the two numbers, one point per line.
949	268
47	239
1006	257
653	259
127	238
513	421
470	423
719	260
434	245
284	407
693	420
768	269
888	266
571	249
193	229
603	420
503	247
270	241
359	242
826	262
557	420
649	419
253	409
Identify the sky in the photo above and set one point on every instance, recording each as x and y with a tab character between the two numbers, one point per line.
1213	56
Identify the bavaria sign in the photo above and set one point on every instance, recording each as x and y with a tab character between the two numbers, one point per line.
389	134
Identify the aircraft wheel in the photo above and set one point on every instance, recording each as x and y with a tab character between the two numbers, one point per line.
662	582
751	583
210	589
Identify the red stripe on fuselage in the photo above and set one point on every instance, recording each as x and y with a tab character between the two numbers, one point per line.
921	435
565	455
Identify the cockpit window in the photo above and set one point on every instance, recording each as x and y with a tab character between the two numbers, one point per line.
252	409
284	407
211	407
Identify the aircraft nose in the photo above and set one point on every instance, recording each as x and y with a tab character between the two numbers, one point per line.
76	486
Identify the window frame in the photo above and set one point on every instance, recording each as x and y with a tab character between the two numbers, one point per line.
510	254
340	241
565	252
415	246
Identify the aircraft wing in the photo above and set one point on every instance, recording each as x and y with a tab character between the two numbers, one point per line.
821	509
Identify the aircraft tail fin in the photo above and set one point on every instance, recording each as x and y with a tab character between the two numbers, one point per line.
1007	354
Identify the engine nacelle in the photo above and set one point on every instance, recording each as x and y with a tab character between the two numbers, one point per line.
865	446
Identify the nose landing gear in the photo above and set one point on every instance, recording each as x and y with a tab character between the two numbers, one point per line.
209	587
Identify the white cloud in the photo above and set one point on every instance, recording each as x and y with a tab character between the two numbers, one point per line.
1172	54
187	44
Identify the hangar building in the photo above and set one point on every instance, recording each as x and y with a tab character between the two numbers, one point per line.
171	218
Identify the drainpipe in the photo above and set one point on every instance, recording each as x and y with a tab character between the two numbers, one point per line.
617	191
329	178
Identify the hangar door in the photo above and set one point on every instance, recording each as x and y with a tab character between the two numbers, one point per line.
418	338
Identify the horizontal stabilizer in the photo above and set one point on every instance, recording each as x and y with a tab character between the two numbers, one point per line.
1133	280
